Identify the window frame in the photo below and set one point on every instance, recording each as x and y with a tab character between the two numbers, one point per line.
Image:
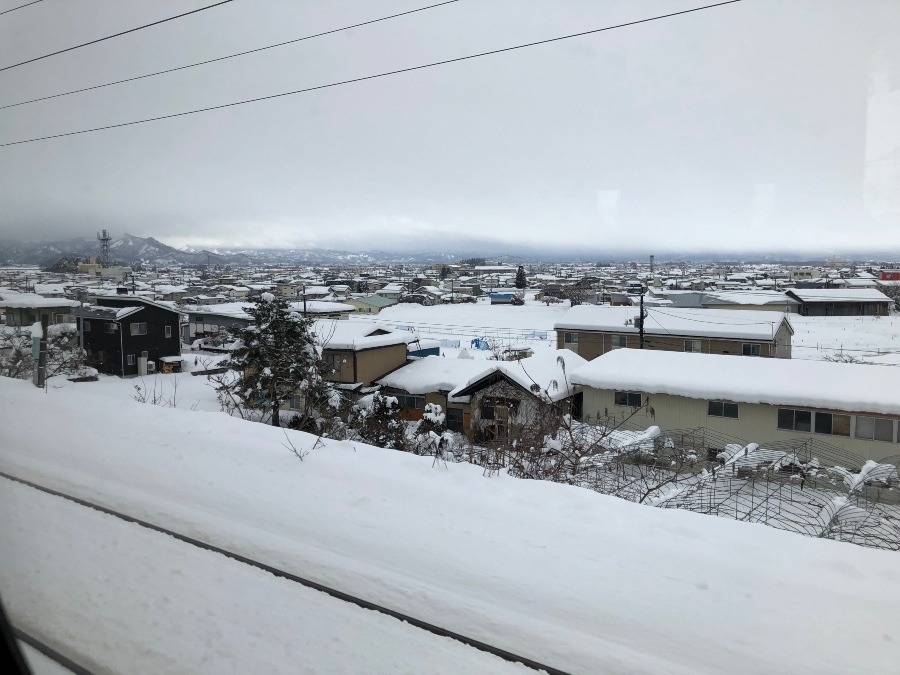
753	346
169	332
140	330
716	408
693	342
614	341
570	337
628	398
130	360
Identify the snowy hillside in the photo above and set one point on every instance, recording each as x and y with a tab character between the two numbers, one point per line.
582	582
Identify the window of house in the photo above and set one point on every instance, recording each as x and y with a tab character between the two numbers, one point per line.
722	409
145	354
86	326
748	349
101	356
410	401
830	423
168	331
333	362
570	338
297	402
139	328
111	327
619	341
129	359
874	428
627	398
455	419
693	346
794	420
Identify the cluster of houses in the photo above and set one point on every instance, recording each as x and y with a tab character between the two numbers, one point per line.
690	351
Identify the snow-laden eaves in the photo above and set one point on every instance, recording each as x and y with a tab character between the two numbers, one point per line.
549	370
744	379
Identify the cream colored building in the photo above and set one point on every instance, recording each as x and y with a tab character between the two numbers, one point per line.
591	331
853	408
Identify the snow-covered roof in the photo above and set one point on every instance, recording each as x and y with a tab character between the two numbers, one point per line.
545	369
432	374
374	300
321	307
839	295
723	323
793	382
33	300
138	298
358	335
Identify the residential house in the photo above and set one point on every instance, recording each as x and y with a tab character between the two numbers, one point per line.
25	309
591	331
360	352
486	400
841	301
850	410
130	335
430	380
370	304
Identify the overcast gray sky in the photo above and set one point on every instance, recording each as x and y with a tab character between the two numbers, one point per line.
766	124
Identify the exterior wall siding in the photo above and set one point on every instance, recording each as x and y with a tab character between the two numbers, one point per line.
374	363
592	344
756	423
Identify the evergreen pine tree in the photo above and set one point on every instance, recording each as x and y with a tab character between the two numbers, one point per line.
521	281
278	358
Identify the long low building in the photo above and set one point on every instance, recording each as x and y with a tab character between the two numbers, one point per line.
852	407
590	330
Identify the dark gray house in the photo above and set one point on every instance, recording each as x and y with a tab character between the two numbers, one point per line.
130	335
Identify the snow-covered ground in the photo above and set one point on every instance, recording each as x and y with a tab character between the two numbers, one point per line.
868	338
574	579
528	325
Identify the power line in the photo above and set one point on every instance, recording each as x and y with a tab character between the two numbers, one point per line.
110	37
369	77
7	11
230	56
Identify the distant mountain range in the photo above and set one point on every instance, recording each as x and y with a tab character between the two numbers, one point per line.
131	250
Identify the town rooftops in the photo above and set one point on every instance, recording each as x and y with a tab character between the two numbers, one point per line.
790	382
717	323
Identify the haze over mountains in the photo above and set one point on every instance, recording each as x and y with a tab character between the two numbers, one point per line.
129	249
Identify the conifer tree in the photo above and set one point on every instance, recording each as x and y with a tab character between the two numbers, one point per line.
278	358
521	281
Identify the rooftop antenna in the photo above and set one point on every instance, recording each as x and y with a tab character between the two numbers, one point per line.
104	239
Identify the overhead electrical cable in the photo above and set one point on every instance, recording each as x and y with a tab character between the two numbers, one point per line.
368	77
7	11
115	35
230	56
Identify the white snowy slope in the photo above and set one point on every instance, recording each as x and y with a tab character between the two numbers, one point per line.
187	609
579	581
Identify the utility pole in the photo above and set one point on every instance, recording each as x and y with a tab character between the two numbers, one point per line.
641	319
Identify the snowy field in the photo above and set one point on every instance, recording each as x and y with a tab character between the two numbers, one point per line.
875	339
528	325
868	338
583	582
